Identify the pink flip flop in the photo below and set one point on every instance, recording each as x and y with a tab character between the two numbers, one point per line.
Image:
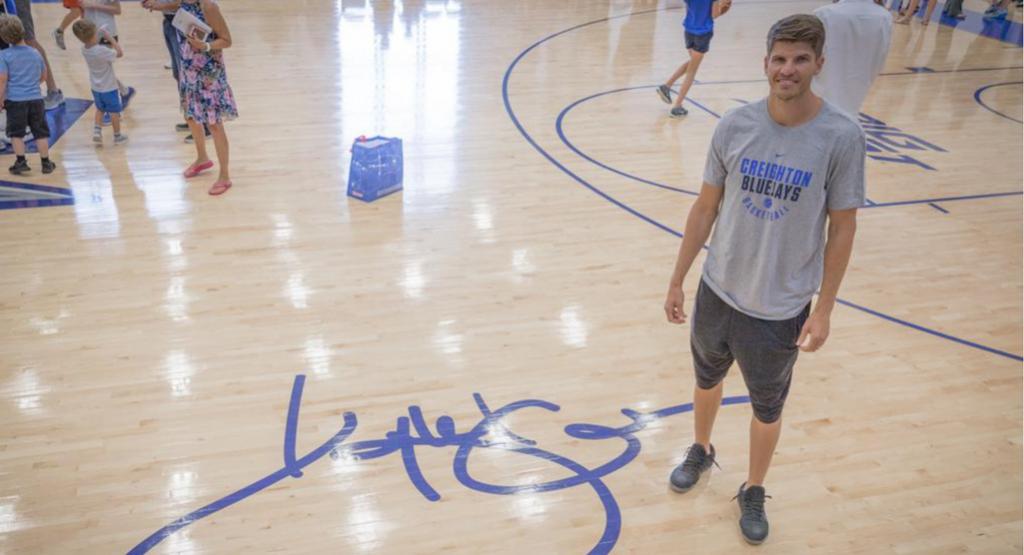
220	187
196	169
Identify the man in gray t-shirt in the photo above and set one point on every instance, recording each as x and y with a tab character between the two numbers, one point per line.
782	184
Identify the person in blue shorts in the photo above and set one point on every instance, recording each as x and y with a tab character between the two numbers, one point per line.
105	90
699	27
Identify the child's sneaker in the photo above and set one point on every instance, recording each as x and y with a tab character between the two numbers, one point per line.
48	165
20	166
678	112
127	97
120	139
58	36
53	99
665	94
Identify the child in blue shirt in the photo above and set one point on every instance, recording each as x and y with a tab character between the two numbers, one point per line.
699	27
21	71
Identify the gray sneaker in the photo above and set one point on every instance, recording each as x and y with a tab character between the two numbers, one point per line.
58	36
686	475
53	99
665	94
677	112
753	521
120	139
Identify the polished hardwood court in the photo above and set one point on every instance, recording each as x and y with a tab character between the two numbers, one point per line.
481	363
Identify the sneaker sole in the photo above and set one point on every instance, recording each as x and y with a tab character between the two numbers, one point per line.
674	116
750	541
678	489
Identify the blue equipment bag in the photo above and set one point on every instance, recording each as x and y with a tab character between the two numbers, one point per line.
376	168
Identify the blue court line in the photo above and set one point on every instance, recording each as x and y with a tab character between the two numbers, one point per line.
977	98
931	331
939	208
559	129
946	199
506	98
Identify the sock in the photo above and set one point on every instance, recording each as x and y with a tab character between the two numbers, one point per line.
96	130
21	158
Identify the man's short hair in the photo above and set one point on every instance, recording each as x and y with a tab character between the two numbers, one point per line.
804	28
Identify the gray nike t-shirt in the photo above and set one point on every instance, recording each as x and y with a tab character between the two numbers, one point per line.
766	255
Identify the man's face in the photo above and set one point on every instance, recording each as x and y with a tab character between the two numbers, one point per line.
790	67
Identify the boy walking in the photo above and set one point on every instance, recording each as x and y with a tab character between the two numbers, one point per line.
105	93
22	69
699	27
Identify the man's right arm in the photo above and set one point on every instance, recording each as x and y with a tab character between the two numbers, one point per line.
699	223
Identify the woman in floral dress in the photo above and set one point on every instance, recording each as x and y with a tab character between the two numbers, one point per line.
206	97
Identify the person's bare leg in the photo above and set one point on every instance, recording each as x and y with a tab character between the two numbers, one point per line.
691	73
679	73
705	409
51	83
70	18
928	11
763	439
115	121
18	143
909	14
200	141
220	143
43	146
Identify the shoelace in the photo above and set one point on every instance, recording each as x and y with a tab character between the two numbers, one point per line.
753	506
695	460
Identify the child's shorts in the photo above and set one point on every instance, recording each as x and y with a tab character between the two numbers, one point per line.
28	113
108	102
699	43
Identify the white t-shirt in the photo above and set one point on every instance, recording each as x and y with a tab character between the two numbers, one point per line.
100	60
104	20
857	37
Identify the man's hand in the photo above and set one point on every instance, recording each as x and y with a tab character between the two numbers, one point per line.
674	305
814	332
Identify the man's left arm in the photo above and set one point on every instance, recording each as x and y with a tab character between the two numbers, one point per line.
845	191
842	226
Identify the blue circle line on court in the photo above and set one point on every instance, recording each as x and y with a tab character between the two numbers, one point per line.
506	99
977	98
560	129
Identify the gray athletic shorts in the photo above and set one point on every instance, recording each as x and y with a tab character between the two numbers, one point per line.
765	350
24	8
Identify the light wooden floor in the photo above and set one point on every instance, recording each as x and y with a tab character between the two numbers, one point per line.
151	334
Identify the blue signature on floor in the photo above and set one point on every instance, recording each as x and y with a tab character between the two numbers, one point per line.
489	433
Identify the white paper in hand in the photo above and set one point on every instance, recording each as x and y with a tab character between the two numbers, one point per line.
191	26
